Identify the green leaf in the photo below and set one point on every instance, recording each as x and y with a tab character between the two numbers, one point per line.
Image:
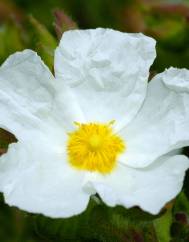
10	40
162	226
180	226
99	223
44	42
181	204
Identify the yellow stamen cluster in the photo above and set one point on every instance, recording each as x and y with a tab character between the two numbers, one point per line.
94	147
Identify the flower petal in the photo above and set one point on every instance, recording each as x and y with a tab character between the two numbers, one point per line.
162	124
26	92
41	181
30	97
106	70
149	188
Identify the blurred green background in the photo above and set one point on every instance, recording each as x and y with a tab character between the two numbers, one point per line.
38	25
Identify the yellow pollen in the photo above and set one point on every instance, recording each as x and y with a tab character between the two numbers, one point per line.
94	147
95	142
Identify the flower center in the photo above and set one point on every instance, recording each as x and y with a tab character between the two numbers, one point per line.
94	147
95	142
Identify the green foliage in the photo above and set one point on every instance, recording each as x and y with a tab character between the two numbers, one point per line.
99	223
10	40
163	225
43	41
181	204
180	225
170	26
63	23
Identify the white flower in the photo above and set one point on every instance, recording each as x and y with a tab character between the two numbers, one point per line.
93	128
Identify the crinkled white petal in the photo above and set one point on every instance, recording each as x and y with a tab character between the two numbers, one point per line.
162	124
26	93
107	72
149	188
37	178
31	99
66	109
